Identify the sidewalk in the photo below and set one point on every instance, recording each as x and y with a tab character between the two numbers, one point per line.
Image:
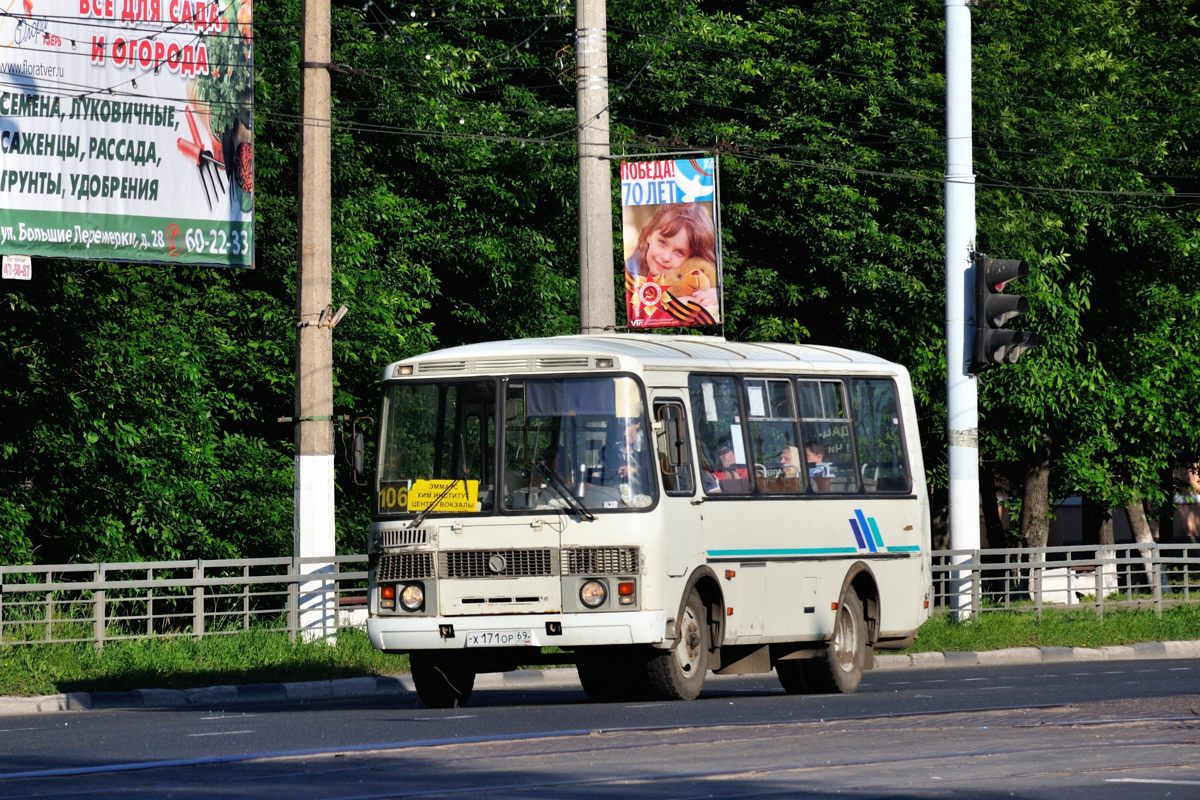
533	680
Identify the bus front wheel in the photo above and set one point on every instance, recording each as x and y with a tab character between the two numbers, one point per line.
678	673
840	667
443	680
612	674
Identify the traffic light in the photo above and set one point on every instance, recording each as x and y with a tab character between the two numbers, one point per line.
994	344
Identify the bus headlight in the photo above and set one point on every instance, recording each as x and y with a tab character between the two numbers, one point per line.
412	597
593	593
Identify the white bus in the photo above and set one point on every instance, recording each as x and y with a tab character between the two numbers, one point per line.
650	508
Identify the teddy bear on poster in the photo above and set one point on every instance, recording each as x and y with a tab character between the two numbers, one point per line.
695	280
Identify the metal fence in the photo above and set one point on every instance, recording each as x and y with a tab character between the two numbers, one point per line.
99	603
1097	577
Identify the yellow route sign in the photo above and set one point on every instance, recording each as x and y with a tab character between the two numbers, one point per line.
462	495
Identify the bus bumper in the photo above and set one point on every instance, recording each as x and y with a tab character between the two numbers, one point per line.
535	630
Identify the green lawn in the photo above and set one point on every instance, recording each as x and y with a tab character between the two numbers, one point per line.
993	630
179	663
255	657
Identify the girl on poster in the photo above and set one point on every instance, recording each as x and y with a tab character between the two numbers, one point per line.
676	252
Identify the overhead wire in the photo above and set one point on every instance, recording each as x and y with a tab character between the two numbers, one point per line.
68	89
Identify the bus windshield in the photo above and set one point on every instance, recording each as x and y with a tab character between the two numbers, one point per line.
576	444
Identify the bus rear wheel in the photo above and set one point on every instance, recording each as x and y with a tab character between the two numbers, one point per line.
678	673
443	680
840	667
791	676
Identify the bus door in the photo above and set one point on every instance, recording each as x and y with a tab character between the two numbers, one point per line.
676	464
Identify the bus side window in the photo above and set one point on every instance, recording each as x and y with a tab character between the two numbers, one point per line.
717	416
878	436
828	453
674	448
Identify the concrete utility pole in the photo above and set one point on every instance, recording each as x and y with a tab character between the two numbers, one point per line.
313	525
961	389
597	310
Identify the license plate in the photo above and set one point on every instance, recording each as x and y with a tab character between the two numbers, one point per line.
499	638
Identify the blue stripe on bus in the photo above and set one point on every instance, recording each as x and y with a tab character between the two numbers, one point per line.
904	548
783	551
866	530
875	532
858	537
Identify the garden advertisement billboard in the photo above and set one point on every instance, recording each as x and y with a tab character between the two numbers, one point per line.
671	243
126	130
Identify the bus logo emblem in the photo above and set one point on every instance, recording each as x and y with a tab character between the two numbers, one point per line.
866	532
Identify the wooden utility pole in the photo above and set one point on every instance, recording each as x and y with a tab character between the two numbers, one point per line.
597	311
313	525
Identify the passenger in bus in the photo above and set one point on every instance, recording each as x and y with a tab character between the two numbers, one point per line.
732	475
626	461
789	462
819	470
708	477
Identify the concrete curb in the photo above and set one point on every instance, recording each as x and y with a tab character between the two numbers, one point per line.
534	679
1041	655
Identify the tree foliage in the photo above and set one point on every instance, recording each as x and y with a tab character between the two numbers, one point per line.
140	402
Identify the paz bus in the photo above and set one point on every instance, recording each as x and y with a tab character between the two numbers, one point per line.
649	508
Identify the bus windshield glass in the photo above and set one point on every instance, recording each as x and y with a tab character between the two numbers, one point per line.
574	444
438	445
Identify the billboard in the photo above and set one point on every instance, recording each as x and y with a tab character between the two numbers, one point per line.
126	130
671	243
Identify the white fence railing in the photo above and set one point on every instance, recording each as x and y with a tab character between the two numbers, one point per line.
99	603
1094	576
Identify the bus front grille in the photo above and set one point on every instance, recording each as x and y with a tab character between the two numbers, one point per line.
496	563
404	536
600	561
404	567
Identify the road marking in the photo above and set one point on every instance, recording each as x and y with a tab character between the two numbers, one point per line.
17	730
968	680
132	766
227	716
1152	780
219	733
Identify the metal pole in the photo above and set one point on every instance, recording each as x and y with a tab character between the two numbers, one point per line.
961	389
597	309
313	526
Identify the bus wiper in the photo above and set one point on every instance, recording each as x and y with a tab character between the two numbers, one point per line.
562	490
423	513
462	467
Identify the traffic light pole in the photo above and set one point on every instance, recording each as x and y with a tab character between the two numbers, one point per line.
961	389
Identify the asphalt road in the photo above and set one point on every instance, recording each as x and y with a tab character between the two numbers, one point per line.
1094	730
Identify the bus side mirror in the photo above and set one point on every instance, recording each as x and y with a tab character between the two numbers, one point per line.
358	448
672	438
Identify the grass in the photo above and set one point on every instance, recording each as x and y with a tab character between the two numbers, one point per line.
261	657
1057	628
180	663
